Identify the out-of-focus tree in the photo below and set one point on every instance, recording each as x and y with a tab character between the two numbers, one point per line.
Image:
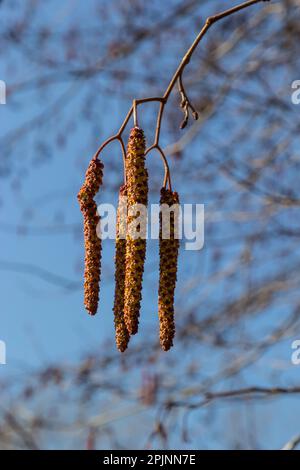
228	382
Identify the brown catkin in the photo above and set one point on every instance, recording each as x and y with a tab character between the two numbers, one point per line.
88	207
168	255
137	193
122	335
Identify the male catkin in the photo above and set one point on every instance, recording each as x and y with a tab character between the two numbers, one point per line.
122	335
88	207
137	193
168	255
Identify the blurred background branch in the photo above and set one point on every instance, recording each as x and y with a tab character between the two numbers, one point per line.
72	71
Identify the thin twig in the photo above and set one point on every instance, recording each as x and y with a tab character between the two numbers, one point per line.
177	77
292	444
249	392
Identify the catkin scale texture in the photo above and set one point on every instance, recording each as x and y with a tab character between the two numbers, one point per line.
168	255
122	335
137	193
92	243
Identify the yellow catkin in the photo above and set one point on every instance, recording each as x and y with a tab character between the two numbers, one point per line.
137	193
168	253
122	335
88	207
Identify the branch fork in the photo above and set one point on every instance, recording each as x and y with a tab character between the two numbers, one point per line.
185	103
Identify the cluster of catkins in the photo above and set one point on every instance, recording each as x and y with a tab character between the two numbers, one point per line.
130	250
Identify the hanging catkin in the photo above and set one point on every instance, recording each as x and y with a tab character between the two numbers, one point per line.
88	207
168	255
137	193
122	335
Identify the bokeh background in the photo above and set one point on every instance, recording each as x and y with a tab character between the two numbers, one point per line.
72	69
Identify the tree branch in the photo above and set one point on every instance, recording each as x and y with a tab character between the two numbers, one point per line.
249	392
292	444
185	103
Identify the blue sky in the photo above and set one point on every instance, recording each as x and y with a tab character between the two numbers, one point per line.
42	321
